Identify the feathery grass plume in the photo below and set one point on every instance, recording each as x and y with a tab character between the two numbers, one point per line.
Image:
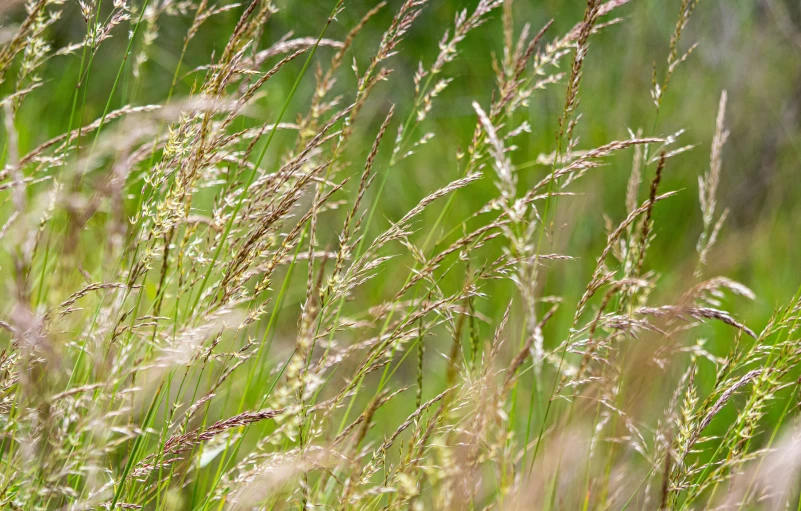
567	123
708	188
646	221
686	8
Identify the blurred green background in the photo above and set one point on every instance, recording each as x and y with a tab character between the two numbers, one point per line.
751	48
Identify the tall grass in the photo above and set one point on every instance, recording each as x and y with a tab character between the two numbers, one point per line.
194	317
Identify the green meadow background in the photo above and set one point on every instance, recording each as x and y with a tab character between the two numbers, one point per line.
750	48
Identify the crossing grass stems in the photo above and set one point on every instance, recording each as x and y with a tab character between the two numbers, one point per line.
149	357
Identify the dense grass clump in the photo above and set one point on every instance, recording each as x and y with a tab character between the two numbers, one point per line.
247	268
